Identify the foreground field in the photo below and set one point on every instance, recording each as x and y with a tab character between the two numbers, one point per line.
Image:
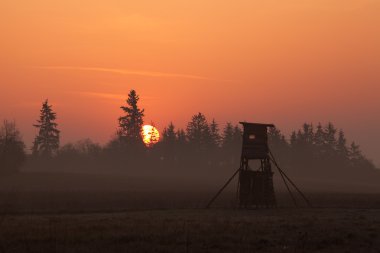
213	230
52	212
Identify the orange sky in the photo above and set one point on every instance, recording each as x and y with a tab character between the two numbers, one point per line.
283	62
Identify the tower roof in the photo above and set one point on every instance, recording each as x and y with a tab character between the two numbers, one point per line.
256	124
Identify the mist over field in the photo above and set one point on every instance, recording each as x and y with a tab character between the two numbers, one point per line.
176	168
149	190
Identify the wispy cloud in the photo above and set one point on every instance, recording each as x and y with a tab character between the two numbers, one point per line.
132	72
103	95
112	96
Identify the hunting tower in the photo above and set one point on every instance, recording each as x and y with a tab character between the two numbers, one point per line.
255	186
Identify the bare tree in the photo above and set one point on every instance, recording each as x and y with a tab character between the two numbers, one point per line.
12	148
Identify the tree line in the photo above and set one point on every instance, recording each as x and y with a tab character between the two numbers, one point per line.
204	145
320	149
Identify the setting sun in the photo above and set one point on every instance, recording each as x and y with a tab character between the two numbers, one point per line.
150	135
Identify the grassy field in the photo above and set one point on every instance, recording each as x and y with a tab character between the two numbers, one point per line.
213	230
42	212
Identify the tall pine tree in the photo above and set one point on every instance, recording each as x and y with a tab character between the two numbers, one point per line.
198	132
169	135
214	134
46	143
237	136
181	137
342	149
276	140
131	124
228	136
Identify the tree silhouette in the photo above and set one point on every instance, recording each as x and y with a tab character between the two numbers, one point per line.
12	148
341	147
214	134
46	143
231	143
181	137
130	125
355	153
169	142
319	136
307	135
277	143
169	137
198	132
237	136
228	136
330	138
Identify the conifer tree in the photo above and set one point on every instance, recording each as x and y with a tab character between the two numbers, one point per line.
131	123
228	135
46	143
169	141
330	136
308	134
355	153
276	139
319	136
237	136
231	144
342	145
214	134
169	134
198	132
278	144
181	137
293	139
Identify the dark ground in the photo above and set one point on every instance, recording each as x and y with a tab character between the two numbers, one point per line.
42	212
195	230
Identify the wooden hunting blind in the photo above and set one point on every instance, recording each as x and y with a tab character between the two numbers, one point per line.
255	140
255	185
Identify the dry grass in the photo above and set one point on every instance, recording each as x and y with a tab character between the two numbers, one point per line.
54	213
215	230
